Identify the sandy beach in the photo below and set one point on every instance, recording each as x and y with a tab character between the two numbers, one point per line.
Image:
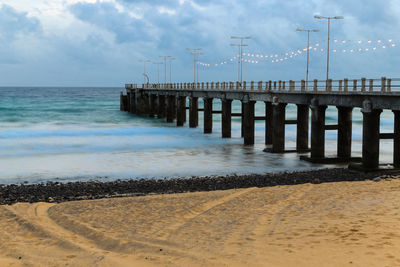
328	224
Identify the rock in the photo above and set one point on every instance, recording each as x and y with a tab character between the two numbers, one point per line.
376	179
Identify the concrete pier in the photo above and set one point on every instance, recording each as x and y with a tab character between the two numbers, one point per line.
302	127
153	106
161	107
193	112
396	139
226	118
169	100
278	128
318	131
371	137
181	111
208	115
268	123
344	132
248	122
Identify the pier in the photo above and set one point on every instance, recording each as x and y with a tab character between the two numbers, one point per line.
371	95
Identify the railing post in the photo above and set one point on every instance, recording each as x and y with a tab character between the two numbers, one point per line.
202	85
303	85
259	86
217	85
280	85
237	85
274	85
212	85
354	85
315	85
389	85
291	86
371	85
283	85
252	85
207	85
363	84
244	85
383	84
269	85
346	84
340	85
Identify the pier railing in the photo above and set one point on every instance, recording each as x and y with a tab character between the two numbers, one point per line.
346	85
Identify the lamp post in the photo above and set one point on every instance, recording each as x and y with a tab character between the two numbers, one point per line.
195	52
241	53
165	67
238	45
158	70
329	29
308	49
144	67
170	68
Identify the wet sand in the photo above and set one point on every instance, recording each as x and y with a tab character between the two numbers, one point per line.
328	224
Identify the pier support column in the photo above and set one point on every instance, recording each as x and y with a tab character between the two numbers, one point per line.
171	99
248	122
226	118
128	100
161	107
144	103
193	112
268	123
318	131
132	102
122	102
181	111
371	137
396	139
208	115
278	128
302	127
242	121
153	105
344	132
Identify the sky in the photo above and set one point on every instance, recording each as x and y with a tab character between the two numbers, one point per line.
101	42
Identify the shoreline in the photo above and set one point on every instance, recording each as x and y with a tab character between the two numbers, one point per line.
56	192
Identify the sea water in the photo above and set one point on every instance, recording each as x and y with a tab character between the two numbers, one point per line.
79	134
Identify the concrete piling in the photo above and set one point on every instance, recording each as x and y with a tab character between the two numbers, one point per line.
370	139
318	131
248	122
303	114
193	112
181	111
208	115
226	118
278	128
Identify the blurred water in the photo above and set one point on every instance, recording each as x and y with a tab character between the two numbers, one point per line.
70	134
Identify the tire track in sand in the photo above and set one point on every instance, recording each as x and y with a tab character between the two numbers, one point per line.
191	214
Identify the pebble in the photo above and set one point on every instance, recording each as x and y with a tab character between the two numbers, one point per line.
56	192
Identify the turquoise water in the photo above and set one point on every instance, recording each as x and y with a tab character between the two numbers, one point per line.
70	134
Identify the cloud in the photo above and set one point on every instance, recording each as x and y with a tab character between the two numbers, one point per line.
13	23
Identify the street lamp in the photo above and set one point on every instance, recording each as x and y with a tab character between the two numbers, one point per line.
329	29
238	45
144	68
165	67
195	53
241	53
308	49
170	68
158	70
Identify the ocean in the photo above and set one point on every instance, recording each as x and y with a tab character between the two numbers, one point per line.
79	134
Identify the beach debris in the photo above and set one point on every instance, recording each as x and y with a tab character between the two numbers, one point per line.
376	179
